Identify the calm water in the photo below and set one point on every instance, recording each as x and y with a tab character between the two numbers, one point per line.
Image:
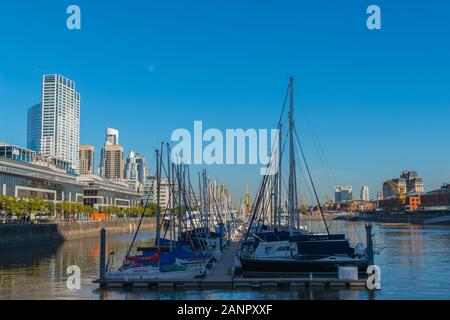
415	264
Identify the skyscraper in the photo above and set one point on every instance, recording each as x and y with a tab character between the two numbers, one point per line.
112	136
365	193
343	194
86	159
34	128
60	132
112	162
136	170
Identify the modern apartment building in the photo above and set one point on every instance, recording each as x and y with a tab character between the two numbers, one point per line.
343	194
86	159
60	131
34	128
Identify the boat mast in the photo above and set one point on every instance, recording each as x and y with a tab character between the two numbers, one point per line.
292	177
158	197
280	182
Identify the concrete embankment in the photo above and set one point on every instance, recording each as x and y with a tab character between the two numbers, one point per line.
32	234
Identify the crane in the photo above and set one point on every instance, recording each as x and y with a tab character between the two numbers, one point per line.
400	192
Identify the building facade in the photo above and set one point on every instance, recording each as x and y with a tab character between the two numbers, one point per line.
112	161
38	179
343	194
365	196
407	183
100	193
413	182
165	194
86	159
16	153
34	128
136	170
60	131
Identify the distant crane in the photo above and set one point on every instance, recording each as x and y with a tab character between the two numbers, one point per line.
400	192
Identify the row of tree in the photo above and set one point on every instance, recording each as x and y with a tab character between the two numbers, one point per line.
27	206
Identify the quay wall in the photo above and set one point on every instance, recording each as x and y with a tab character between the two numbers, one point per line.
31	234
412	218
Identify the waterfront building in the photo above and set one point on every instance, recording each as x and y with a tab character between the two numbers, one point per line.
86	159
60	128
343	194
437	198
16	153
365	193
112	162
164	194
148	188
101	192
34	128
40	179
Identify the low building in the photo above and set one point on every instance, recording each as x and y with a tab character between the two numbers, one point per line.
437	198
100	192
39	179
16	153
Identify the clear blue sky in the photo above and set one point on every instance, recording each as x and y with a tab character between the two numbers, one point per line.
379	100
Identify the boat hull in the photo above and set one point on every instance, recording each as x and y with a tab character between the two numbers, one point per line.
295	266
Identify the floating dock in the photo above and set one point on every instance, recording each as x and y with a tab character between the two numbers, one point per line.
222	276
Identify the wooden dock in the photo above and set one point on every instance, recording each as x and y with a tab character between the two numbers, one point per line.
221	276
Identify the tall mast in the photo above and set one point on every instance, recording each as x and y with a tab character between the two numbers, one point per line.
158	197
292	178
280	182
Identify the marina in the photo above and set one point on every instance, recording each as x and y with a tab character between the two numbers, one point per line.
201	242
222	277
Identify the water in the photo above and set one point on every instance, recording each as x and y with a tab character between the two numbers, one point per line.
414	264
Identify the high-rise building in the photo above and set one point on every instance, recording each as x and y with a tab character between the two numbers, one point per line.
343	194
86	159
34	128
136	170
112	136
60	132
112	162
365	193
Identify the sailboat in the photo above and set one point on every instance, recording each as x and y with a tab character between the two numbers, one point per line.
168	259
271	248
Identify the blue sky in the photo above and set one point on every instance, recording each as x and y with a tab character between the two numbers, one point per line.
379	100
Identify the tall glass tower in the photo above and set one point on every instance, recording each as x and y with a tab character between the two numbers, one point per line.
60	135
34	127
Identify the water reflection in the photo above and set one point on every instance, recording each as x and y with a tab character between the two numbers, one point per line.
414	265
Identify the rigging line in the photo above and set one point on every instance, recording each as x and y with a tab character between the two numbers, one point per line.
319	146
139	225
284	104
312	183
